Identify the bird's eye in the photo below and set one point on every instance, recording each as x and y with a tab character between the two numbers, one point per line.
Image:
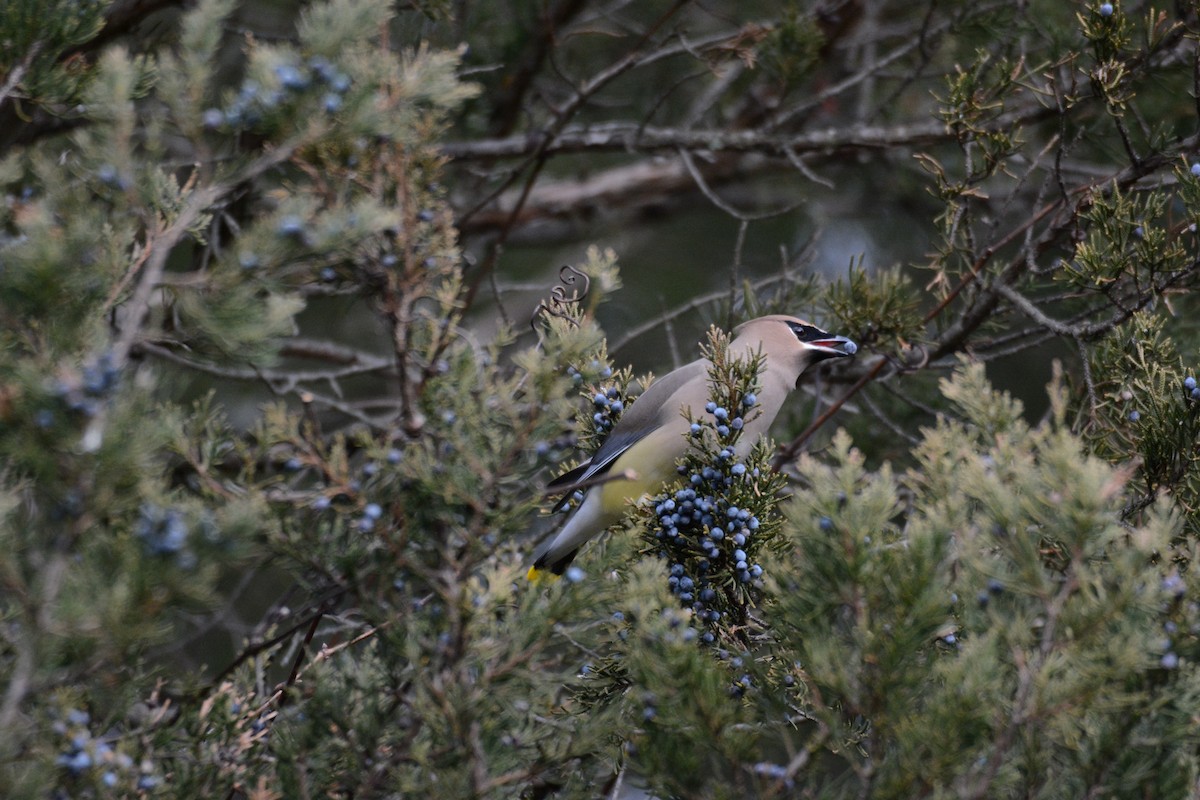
807	333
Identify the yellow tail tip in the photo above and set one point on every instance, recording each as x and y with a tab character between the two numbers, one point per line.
536	575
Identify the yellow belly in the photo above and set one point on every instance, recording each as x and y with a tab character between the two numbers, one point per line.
653	464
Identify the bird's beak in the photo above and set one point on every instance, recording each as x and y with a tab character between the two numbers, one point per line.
833	347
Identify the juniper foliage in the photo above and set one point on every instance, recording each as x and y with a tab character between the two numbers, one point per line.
315	588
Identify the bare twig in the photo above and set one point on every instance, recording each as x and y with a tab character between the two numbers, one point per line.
707	191
625	136
17	73
166	239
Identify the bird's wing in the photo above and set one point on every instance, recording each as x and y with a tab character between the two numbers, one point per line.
655	407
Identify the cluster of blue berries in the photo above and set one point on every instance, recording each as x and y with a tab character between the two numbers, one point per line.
649	707
1169	658
554	449
254	102
1174	587
1190	388
87	758
994	589
100	376
577	377
607	397
745	682
725	425
290	226
164	532
85	392
707	538
111	177
370	512
609	407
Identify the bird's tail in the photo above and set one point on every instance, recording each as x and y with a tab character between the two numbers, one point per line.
548	568
537	576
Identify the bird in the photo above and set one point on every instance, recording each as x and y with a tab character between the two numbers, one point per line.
640	452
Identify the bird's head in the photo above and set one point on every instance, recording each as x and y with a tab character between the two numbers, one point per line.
791	345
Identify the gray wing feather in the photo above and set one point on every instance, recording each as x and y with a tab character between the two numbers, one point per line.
650	411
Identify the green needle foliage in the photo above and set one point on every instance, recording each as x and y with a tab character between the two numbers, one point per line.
1009	635
238	560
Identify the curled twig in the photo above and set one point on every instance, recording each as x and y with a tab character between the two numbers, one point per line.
559	304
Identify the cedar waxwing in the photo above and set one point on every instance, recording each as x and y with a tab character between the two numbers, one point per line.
651	435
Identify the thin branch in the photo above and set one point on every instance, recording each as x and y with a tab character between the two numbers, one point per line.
879	414
165	241
788	452
507	106
286	380
252	649
536	148
686	308
120	18
707	191
1049	323
17	73
52	577
621	137
870	70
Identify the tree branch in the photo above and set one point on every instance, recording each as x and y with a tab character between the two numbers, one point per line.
622	137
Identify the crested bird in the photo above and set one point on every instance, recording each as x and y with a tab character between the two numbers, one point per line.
651	435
